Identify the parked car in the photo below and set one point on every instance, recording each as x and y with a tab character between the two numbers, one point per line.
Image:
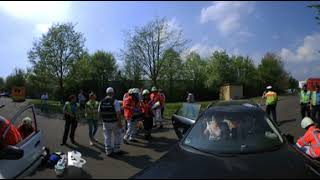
5	94
23	158
233	139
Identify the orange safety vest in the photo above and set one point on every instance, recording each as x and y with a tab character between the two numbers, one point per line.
146	107
311	138
155	97
128	106
13	136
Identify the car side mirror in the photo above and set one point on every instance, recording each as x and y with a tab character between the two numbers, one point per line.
11	153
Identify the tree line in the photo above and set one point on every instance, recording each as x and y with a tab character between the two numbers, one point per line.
61	65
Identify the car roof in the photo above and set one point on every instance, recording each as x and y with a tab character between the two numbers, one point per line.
235	105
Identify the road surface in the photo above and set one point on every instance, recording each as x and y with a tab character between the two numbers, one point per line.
139	155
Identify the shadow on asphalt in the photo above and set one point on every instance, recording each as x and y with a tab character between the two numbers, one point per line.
86	151
75	173
158	144
286	121
140	162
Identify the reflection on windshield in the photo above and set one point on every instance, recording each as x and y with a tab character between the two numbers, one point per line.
233	132
189	110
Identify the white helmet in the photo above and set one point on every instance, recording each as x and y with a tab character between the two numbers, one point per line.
109	90
135	91
27	120
145	92
269	87
306	122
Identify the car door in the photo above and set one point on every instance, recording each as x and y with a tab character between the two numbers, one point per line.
31	144
184	117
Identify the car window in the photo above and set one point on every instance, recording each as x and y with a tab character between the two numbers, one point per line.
25	123
231	131
189	110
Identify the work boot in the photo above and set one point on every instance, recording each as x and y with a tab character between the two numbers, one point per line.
73	141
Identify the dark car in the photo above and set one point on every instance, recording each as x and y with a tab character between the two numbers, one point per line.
234	139
5	94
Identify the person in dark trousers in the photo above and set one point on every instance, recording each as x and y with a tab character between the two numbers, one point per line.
147	114
305	102
315	104
70	111
271	103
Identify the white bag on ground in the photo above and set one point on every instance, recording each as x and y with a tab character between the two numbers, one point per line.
74	159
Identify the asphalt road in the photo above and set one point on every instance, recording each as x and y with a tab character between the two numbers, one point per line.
138	155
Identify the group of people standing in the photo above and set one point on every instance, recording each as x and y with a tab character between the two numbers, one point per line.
310	109
310	103
137	105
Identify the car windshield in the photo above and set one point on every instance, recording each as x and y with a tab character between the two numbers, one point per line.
189	110
233	130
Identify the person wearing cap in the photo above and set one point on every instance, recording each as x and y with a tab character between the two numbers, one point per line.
310	141
91	113
26	127
70	111
305	102
147	113
271	102
110	114
131	106
315	104
155	99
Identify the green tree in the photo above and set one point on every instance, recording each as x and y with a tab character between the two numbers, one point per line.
194	70
271	72
172	70
220	70
104	67
17	78
146	45
293	83
246	75
57	50
80	72
2	84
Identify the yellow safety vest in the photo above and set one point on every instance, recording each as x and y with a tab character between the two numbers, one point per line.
271	98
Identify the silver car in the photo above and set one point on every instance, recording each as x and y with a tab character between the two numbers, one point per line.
23	158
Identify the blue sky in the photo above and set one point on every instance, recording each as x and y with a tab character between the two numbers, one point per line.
247	28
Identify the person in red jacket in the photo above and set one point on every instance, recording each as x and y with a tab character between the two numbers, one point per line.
130	106
310	141
12	137
162	102
147	112
156	99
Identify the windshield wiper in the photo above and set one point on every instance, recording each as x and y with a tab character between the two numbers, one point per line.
211	153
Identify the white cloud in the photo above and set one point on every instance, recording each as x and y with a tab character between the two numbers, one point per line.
36	10
202	49
307	51
227	15
42	28
173	24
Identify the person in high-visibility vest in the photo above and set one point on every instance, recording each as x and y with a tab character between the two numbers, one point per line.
305	102
91	113
70	111
271	103
315	104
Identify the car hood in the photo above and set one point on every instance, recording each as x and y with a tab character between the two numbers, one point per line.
183	163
